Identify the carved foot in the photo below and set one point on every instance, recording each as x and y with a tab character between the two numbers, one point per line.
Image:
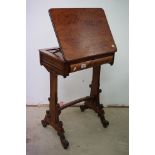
104	122
63	140
83	107
45	122
60	132
99	109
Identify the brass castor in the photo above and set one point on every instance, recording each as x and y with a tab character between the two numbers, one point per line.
44	123
105	123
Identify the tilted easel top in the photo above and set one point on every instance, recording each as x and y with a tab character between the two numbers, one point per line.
82	33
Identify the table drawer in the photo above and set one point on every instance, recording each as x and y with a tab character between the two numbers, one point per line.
91	63
53	60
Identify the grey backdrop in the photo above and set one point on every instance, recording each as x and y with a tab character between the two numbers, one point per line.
40	34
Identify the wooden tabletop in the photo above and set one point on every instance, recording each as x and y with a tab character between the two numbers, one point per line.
82	33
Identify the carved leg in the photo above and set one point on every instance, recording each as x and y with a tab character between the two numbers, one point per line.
101	113
60	129
95	91
52	115
60	133
104	122
63	140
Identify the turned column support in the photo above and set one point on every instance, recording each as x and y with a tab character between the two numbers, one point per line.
52	115
95	92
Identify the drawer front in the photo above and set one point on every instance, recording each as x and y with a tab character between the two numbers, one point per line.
91	63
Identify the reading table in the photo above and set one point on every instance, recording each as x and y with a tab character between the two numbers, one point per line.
85	41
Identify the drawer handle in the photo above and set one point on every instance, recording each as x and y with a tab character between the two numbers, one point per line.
83	66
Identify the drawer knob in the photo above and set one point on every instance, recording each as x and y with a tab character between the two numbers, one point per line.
83	66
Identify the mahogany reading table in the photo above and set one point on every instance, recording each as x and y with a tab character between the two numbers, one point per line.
85	41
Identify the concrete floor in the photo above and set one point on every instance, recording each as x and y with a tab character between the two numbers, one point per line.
83	131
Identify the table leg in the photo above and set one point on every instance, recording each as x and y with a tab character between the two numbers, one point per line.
52	115
95	91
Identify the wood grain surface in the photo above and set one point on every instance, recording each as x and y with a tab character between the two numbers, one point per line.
82	33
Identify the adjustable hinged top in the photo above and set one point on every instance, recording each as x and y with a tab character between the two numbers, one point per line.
82	33
84	38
